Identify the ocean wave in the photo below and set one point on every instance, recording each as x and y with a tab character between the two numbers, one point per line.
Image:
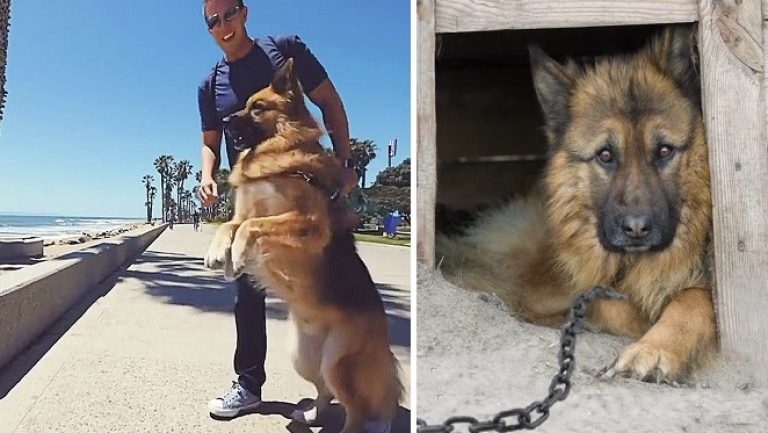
60	227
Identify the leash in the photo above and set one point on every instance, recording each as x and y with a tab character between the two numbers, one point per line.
310	179
559	388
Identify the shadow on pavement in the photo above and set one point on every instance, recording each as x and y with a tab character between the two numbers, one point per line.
398	310
183	280
179	279
332	421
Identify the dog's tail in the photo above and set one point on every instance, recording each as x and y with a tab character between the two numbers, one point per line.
490	255
394	392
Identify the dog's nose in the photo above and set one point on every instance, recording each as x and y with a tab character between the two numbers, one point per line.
636	226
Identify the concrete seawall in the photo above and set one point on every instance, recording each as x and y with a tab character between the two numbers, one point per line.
20	247
33	298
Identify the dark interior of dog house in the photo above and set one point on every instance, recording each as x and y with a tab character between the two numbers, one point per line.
490	142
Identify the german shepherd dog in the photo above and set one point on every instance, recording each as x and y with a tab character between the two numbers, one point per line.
624	202
290	234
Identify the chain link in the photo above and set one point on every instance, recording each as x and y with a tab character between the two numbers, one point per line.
537	412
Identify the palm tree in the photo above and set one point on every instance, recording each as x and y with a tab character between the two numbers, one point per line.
181	172
152	192
172	207
170	203
187	200
5	23
163	166
147	181
195	197
363	152
223	208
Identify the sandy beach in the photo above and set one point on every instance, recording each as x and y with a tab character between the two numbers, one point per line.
57	246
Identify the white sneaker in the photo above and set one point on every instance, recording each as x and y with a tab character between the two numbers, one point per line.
307	417
238	400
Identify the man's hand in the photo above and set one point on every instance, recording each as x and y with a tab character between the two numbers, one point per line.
208	191
347	180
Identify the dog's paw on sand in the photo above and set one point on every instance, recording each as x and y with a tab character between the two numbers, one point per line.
646	362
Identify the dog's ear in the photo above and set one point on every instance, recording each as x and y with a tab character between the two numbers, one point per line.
553	83
675	53
285	80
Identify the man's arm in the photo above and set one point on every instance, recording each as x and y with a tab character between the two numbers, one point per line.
328	100
211	158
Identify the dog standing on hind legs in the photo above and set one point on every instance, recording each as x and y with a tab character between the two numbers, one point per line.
290	233
625	202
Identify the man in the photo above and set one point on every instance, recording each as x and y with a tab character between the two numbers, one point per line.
248	65
196	220
169	218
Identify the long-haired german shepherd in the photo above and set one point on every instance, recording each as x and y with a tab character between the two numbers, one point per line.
291	234
625	202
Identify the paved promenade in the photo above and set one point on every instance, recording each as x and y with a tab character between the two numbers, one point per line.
149	347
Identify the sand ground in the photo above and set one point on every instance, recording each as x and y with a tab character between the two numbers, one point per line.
475	359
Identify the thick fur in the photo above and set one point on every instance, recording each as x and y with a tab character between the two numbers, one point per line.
288	234
538	253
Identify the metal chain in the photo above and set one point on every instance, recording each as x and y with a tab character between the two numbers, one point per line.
537	412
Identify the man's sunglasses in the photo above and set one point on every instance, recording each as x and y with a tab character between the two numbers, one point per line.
214	20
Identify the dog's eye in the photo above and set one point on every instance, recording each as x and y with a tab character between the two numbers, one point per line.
258	106
665	152
605	156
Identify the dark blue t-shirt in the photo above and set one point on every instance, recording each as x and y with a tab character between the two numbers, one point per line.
237	81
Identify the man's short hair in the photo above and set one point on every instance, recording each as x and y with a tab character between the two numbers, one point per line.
239	2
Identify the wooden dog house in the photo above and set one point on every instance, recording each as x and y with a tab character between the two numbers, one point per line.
733	44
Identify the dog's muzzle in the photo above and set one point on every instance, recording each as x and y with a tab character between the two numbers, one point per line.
242	133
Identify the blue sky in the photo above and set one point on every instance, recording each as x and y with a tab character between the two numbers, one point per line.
97	91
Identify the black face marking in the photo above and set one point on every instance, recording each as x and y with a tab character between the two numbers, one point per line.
243	131
638	205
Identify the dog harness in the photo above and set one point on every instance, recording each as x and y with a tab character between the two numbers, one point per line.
310	179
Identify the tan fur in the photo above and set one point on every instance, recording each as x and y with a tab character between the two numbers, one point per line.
539	253
285	232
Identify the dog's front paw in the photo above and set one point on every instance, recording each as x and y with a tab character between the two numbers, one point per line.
647	362
219	254
238	257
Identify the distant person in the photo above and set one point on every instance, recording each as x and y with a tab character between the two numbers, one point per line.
169	218
248	65
196	220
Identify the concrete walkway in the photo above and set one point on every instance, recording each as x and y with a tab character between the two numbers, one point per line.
148	348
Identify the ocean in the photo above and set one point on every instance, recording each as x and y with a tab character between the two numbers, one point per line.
58	227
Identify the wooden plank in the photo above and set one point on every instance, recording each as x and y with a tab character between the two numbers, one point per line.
426	153
482	15
734	111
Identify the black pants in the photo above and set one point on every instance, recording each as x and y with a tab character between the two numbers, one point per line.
251	324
